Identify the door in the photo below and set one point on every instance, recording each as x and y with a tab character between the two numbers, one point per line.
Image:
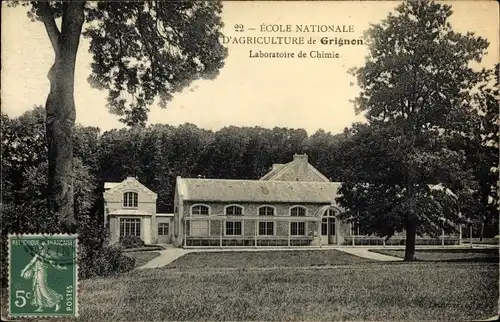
328	228
332	239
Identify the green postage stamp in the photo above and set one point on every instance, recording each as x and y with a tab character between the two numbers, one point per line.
43	275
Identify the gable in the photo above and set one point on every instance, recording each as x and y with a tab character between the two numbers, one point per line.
297	170
115	191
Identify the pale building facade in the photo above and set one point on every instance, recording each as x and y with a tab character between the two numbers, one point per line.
130	209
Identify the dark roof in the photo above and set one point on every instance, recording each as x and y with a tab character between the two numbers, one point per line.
257	190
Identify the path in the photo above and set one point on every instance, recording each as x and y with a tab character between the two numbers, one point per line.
166	257
365	253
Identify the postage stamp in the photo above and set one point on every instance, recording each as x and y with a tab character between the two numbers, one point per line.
43	275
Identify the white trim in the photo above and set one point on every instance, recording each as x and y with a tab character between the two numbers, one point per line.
336	211
234	205
200	204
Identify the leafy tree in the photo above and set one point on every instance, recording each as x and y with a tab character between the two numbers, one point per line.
323	151
141	50
415	92
482	149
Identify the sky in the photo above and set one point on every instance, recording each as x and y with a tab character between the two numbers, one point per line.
307	93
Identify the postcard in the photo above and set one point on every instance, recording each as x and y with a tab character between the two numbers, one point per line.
250	160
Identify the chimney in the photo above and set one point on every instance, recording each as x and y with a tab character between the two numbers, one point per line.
301	170
301	157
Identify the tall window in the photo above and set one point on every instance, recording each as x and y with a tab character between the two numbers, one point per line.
233	228
266	228
130	199
328	223
234	211
162	228
130	227
199	210
297	228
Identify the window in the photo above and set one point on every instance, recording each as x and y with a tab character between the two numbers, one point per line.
328	222
130	227
234	211
199	210
198	228
266	211
266	228
130	199
297	228
233	228
297	211
162	228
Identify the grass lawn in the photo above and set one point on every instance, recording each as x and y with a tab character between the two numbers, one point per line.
265	259
448	255
142	258
221	290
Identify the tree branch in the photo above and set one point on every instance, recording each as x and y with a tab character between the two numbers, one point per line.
46	16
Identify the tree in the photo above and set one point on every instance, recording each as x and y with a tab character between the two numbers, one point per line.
141	50
482	149
415	92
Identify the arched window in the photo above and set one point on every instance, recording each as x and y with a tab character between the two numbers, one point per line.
266	211
200	210
297	211
297	228
266	228
234	211
130	199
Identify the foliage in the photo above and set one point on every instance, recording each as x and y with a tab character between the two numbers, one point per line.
141	50
131	241
416	86
105	261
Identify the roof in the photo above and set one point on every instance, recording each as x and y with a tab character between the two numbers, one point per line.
299	167
257	190
110	185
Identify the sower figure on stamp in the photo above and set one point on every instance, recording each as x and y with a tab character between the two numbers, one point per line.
43	295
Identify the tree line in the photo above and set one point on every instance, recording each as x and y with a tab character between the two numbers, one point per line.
156	155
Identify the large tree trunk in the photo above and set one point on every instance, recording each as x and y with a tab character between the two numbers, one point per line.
60	108
411	235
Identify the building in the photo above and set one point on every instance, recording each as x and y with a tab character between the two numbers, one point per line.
292	205
130	209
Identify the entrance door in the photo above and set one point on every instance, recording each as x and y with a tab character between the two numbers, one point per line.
328	228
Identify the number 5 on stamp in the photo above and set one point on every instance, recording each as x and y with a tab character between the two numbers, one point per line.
43	275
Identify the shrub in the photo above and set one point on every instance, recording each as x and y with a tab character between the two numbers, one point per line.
131	242
109	260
